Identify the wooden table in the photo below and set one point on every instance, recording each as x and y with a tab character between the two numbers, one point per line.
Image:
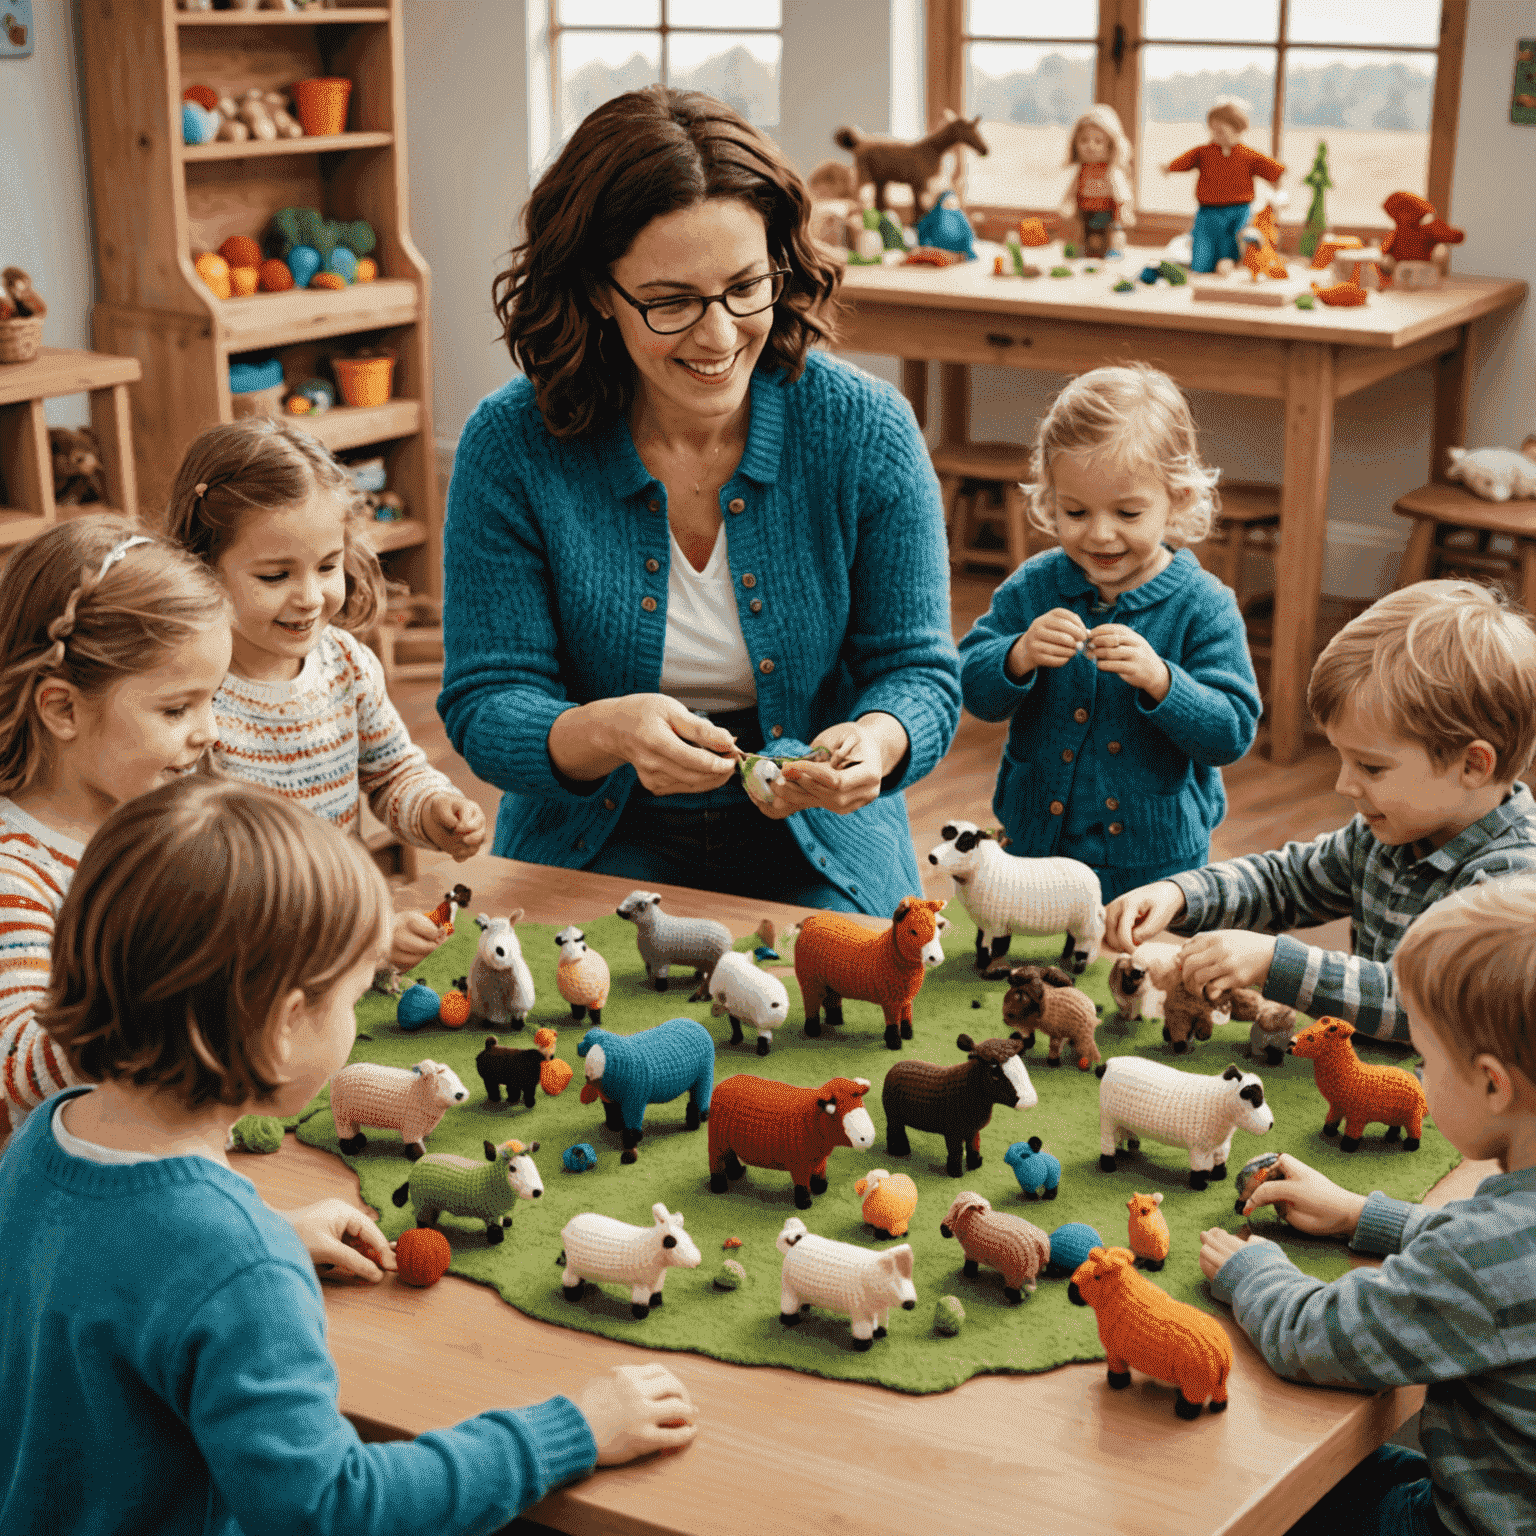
1306	359
780	1450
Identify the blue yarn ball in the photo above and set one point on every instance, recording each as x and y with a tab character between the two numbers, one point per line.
198	124
580	1158
417	1006
1070	1243
303	261
343	263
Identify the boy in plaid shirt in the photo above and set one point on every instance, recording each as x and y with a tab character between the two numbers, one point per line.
1430	699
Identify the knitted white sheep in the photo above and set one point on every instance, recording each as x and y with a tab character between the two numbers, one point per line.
599	1248
582	975
1043	997
665	941
1007	895
1018	1249
843	1278
411	1102
740	990
889	1200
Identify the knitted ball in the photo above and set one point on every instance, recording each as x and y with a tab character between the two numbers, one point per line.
303	262
730	1277
419	1005
204	95
948	1315
580	1158
327	280
1070	1243
274	276
367	269
241	251
454	1011
244	281
214	271
423	1256
343	263
554	1075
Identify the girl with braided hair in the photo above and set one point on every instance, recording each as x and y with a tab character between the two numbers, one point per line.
114	642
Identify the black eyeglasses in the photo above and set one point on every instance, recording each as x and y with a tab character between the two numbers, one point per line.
684	311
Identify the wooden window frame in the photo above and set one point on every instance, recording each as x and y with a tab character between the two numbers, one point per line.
1117	81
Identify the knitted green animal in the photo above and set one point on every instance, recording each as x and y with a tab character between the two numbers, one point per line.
254	1133
759	770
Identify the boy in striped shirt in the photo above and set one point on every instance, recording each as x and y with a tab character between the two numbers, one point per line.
1453	1305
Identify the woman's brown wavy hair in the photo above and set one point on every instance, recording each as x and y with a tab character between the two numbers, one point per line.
640	156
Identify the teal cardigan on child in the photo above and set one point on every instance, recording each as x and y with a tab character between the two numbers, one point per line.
555	594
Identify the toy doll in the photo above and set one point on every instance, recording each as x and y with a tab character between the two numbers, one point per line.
1224	188
1099	193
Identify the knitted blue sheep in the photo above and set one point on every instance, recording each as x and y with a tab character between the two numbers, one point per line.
1038	1172
629	1072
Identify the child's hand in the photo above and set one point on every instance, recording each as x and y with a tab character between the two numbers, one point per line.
1119	649
1051	641
636	1409
1217	1246
412	939
1134	918
1213	963
341	1238
1314	1203
454	824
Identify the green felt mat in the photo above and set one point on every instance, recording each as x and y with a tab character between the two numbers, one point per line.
742	1325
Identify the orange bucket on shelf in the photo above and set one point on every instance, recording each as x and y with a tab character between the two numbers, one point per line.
321	104
365	380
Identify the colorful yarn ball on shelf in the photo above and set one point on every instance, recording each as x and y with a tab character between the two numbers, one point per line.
198	124
246	377
1070	1243
328	280
418	1005
367	270
343	263
580	1158
204	95
453	1012
243	281
214	271
303	262
274	276
241	251
422	1255
318	392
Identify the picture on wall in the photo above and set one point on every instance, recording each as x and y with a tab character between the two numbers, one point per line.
16	30
1522	108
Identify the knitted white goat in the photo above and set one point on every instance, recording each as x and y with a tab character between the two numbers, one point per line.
598	1247
1007	895
666	941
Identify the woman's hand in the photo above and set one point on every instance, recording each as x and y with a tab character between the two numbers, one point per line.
673	750
1216	963
1119	649
454	824
636	1409
1051	641
863	752
342	1239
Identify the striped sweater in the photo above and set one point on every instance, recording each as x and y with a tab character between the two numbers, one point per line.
36	866
327	734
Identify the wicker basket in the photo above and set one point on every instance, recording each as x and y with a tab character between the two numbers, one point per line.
20	338
365	380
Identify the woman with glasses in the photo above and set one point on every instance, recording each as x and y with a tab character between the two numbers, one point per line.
682	536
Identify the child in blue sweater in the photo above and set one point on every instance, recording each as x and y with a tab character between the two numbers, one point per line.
1122	665
164	1367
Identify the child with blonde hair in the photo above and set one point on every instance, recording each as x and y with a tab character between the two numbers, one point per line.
113	643
1453	1305
1429	697
208	957
1099	193
1120	664
304	709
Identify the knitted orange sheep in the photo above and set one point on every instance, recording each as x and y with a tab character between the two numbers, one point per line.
1144	1327
1149	1236
1357	1093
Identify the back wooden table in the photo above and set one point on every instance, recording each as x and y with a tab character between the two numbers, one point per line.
779	1450
1304	359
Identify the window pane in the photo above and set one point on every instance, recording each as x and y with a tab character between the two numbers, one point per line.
1178	86
1257	21
1028	98
594	66
710	13
1010	18
1374	112
1415	22
741	71
608	13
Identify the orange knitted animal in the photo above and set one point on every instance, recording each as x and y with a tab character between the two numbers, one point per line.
1419	229
1262	256
1144	1327
1357	1093
836	957
1149	1236
1341	295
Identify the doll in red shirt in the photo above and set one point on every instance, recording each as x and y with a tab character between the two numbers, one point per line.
1099	193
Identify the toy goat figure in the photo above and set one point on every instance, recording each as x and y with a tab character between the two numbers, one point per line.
1044	996
1149	1236
631	1072
599	1248
1143	1327
836	957
740	990
1016	1248
1273	1024
484	1191
955	1102
880	160
1357	1093
582	975
768	1124
843	1277
500	983
889	1200
665	941
1038	1172
1007	895
411	1101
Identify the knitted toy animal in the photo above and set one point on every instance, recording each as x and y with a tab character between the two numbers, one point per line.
768	1124
1417	251
889	1200
411	1102
483	1191
1341	295
1185	1014
500	983
1259	1170
742	991
446	912
1038	1172
653	1066
1044	996
666	941
582	975
1273	1024
1178	1108
1144	1327
1071	1243
1495	474
78	476
518	1071
1007	895
1357	1093
1139	982
836	957
1018	1249
843	1278
1261	246
955	1102
600	1248
1149	1236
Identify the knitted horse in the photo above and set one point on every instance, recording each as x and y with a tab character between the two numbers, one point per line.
880	159
1356	1093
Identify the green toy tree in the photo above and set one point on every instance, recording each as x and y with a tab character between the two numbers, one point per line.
1317	218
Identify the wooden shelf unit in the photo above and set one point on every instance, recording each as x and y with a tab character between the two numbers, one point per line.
158	202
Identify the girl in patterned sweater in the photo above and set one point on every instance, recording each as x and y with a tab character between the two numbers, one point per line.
114	643
304	710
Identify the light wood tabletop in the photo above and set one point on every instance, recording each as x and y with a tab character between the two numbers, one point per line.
780	1449
1304	359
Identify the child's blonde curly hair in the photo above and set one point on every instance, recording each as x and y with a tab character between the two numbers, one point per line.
1132	415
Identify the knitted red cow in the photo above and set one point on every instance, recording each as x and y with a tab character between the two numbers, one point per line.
768	1124
836	957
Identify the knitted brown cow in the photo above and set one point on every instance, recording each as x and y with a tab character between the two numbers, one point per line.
955	1102
836	957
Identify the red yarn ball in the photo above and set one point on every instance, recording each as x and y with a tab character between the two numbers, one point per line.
423	1255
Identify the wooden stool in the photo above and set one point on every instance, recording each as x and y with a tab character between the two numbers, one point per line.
1249	521
1453	531
966	471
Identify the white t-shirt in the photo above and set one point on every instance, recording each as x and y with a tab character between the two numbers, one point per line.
705	664
92	1151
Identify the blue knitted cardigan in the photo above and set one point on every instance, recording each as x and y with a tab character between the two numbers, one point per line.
835	538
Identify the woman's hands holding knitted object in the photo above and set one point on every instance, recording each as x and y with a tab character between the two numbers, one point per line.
673	750
340	1237
454	824
1051	641
1119	649
636	1409
863	752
